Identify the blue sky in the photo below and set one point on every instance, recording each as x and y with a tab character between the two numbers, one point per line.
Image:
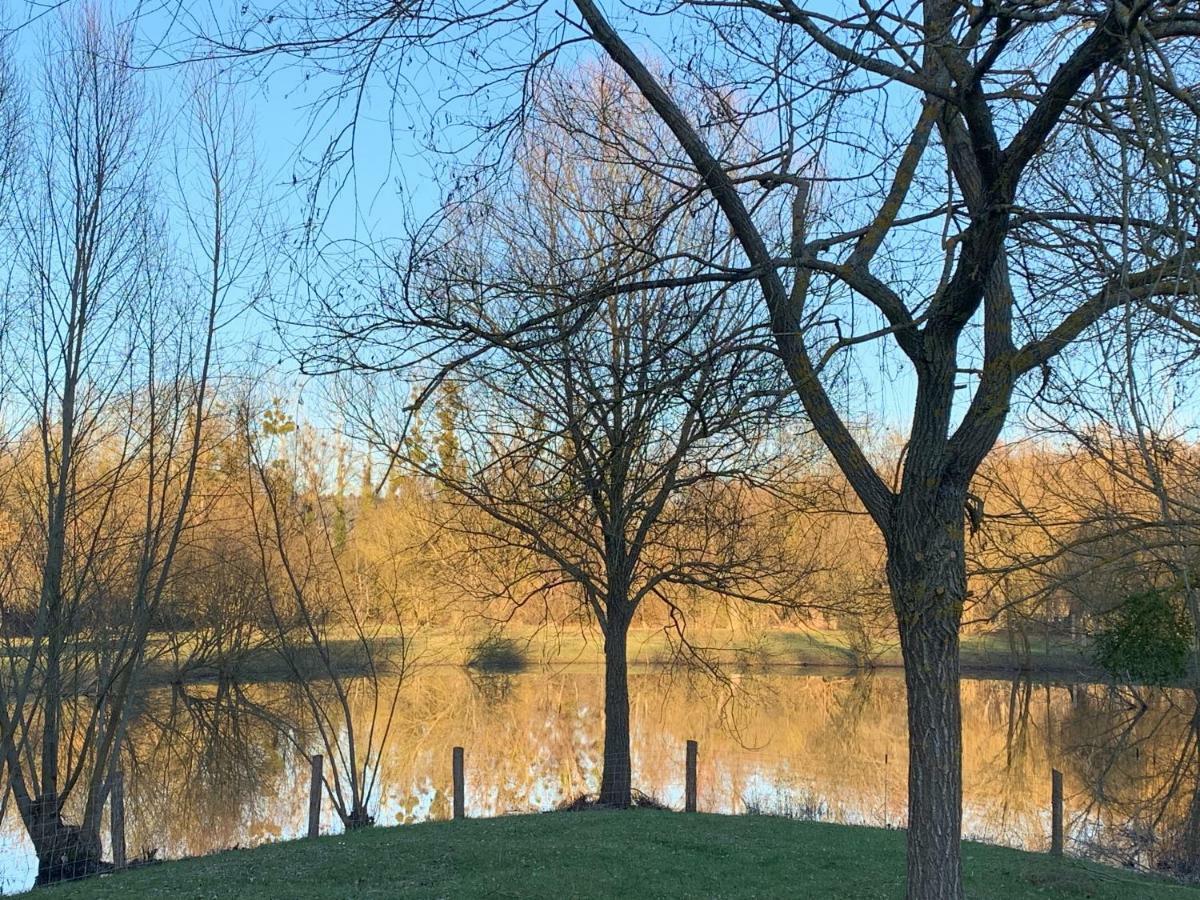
392	178
280	103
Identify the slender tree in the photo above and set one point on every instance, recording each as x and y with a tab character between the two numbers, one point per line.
338	625
112	412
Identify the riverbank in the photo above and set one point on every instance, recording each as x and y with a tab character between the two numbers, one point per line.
518	648
777	650
982	654
639	853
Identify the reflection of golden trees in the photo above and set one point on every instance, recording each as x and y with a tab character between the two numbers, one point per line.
201	759
1136	754
211	769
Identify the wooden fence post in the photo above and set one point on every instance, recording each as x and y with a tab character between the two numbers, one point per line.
689	788
1056	813
459	785
314	795
116	818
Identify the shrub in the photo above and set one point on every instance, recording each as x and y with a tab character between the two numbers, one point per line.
496	654
1147	638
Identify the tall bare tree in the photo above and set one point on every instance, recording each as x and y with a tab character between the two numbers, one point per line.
624	449
1031	255
112	412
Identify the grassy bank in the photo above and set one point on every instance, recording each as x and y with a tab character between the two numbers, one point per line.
607	854
982	654
522	647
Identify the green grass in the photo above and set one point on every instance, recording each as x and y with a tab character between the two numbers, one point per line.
786	647
520	647
608	854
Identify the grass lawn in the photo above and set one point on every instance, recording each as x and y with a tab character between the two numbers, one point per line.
982	654
787	647
608	854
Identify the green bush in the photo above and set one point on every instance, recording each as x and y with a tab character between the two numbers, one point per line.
496	654
1148	638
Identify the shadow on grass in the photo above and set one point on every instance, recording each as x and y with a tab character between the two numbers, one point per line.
588	802
348	657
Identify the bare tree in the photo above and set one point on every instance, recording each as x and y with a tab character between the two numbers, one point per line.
999	274
625	450
337	624
113	409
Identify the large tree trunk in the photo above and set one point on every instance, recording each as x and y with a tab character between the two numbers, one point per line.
927	575
65	852
616	781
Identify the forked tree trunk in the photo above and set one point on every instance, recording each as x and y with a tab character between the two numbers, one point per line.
927	576
357	816
65	852
616	781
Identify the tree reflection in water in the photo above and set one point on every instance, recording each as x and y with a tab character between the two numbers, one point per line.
205	764
219	765
1136	757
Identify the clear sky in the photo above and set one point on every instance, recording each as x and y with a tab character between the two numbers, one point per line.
391	180
390	172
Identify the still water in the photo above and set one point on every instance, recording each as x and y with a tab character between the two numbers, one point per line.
211	769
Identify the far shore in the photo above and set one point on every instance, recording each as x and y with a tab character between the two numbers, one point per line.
521	648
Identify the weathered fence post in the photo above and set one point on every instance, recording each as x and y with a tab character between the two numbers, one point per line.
1056	813
314	795
689	786
459	785
116	818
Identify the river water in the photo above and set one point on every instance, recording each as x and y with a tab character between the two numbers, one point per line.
212	768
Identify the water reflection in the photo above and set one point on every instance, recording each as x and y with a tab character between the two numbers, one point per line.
1137	760
219	766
